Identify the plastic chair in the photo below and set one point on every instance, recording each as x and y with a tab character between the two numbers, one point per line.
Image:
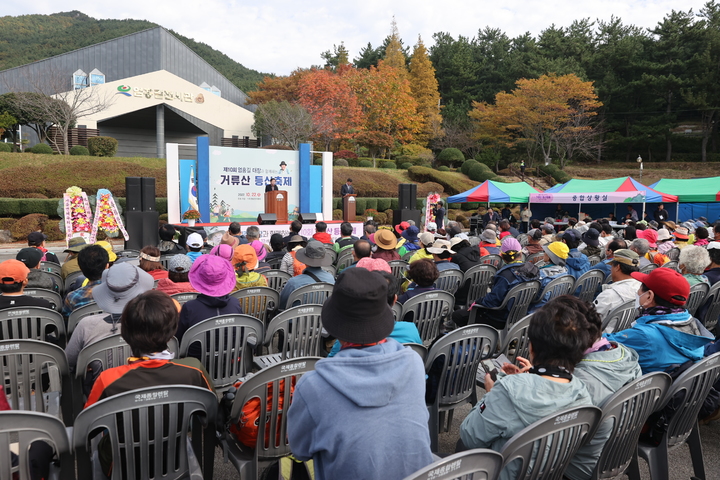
397	311
329	250
711	308
587	286
165	260
32	323
51	267
624	414
516	301
148	432
649	268
408	256
69	280
480	278
691	388
272	442
558	436
698	292
25	428
461	351
449	280
226	345
53	297
398	268
562	285
128	253
480	464
78	314
494	260
535	257
418	348
312	294
184	297
56	279
23	364
594	260
620	318
258	302
330	269
427	310
276	279
299	334
515	344
671	264
344	259
275	262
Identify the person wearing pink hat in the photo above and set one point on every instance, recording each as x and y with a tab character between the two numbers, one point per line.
214	278
653	255
374	265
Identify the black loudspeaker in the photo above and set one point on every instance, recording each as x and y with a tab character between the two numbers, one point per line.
150	228
142	228
407	194
148	194
267	219
133	194
405	215
308	218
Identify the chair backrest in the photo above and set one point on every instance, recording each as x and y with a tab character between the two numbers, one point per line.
398	268
111	352
397	311
258	302
649	268
53	297
461	351
329	250
449	280
277	279
480	278
165	260
70	279
671	264
711	307
545	448
51	267
626	411
272	441
693	386
184	297
477	464
344	258
673	254
517	338
535	257
587	286
427	311
275	262
142	421
128	253
78	314
418	348
55	278
23	363
494	260
594	260
301	329
23	429
408	255
521	295
561	285
314	293
330	269
522	239
30	323
698	292
622	317
226	345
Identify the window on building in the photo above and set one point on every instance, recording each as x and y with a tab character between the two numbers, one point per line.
215	91
80	80
97	77
205	86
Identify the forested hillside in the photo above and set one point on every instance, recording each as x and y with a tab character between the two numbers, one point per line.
29	38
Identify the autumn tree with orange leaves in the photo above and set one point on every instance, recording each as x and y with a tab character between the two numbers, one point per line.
552	114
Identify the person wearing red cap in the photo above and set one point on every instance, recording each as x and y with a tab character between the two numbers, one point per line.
665	335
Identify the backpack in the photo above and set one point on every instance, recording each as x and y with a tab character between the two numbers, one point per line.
657	258
246	430
298	266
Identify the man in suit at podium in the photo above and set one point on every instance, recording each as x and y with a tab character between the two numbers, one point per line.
347	189
271	186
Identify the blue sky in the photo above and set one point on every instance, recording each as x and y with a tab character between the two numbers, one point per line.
281	35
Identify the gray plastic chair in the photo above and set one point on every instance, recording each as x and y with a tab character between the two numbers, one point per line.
515	337
70	279
711	308
51	267
344	259
398	268
276	279
56	279
594	260
128	253
535	257
32	323
397	311
148	432
427	311
329	251
562	285
408	255
183	298
673	264
23	364
299	334
494	260
649	268
312	294
165	260
558	436
418	348
697	296
78	314
247	460
480	278
691	388
588	285
258	302
516	301
330	269
477	464
275	262
449	280
53	297
226	346
624	415
621	318
24	428
461	351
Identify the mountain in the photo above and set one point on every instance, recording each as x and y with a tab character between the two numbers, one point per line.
28	38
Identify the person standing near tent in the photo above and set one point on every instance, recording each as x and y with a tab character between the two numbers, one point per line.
439	212
660	214
525	215
632	214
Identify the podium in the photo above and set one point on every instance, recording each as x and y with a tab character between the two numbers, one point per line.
276	202
349	207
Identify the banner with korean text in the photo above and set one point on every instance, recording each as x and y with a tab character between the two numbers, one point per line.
599	197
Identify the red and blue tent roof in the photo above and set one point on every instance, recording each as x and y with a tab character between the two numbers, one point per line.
496	192
622	184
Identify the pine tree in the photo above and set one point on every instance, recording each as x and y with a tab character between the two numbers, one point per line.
424	87
394	56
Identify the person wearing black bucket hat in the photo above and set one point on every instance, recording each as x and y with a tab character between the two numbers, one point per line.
370	395
314	256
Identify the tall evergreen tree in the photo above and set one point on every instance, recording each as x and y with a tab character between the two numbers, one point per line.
394	56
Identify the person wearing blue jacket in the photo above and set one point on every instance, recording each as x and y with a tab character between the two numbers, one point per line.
362	413
665	335
552	267
576	263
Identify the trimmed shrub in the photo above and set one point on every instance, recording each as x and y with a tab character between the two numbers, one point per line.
345	154
470	206
7	223
102	146
163	218
480	173
465	167
454	206
360	205
557	174
424	189
5	147
451	156
337	214
462	219
371	204
28	224
383	204
387	164
340	162
360	218
79	150
450	182
52	230
42	149
443	168
381	218
365	164
394	204
406	165
389	214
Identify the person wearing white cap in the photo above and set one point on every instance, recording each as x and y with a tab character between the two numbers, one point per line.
441	252
426	239
194	244
665	241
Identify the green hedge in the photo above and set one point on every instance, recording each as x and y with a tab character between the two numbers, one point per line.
378	203
465	167
19	207
481	172
5	147
553	170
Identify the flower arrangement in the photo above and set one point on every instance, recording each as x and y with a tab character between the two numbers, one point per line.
191	215
107	216
76	213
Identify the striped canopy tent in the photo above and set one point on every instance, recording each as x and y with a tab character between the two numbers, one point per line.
496	192
697	196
